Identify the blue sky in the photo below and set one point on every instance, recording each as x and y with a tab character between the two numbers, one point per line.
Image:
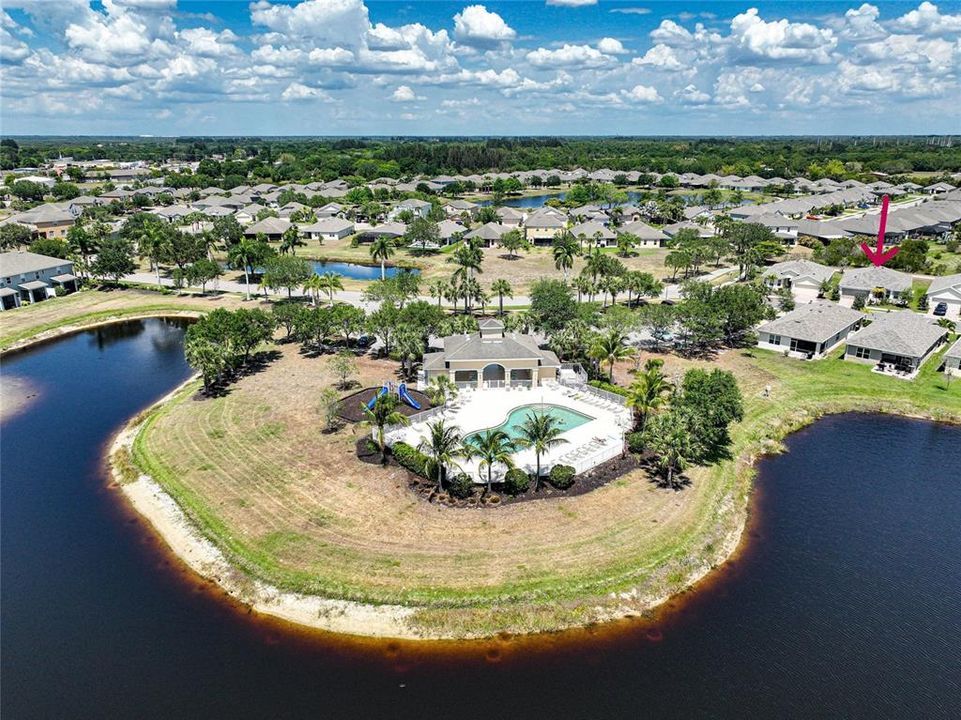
349	67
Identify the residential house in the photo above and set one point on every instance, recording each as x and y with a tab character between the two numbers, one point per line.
952	359
938	187
802	277
272	227
861	282
648	236
459	208
509	216
783	228
52	220
897	341
594	232
418	208
248	214
449	231
810	331
328	228
329	210
541	226
30	277
947	290
292	208
388	230
490	358
488	233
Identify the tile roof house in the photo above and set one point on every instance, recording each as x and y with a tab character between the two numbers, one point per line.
490	358
810	331
901	339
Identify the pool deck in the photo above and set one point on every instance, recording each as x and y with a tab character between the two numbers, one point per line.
587	445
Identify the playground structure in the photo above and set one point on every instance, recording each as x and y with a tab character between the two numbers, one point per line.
401	393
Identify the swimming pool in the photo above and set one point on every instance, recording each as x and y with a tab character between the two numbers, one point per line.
567	419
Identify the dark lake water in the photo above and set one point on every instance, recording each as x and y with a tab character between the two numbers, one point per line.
354	271
845	603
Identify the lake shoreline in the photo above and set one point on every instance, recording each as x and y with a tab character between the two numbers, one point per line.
396	621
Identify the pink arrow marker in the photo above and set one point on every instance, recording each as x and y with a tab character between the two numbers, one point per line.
879	256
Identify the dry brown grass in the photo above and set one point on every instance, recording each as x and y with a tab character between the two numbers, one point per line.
302	511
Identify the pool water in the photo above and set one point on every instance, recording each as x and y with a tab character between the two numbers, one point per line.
567	419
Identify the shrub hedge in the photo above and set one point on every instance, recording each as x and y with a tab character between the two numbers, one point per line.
410	458
561	476
460	486
616	389
516	481
635	442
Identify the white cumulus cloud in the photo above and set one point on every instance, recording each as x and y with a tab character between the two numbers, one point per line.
476	25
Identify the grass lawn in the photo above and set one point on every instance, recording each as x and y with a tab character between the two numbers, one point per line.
293	506
90	307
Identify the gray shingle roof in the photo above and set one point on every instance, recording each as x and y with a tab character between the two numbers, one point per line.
944	282
591	229
511	346
868	278
269	226
800	268
815	322
642	230
954	351
21	262
899	333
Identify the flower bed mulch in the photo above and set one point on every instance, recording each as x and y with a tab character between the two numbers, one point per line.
583	483
352	406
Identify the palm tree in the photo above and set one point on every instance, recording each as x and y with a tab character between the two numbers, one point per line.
438	290
330	282
649	392
669	438
502	287
246	252
946	324
541	431
382	249
492	447
565	250
441	389
596	260
468	257
290	240
312	286
383	412
584	286
610	348
442	445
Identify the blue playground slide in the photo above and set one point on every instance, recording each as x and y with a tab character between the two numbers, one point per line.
405	396
383	391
